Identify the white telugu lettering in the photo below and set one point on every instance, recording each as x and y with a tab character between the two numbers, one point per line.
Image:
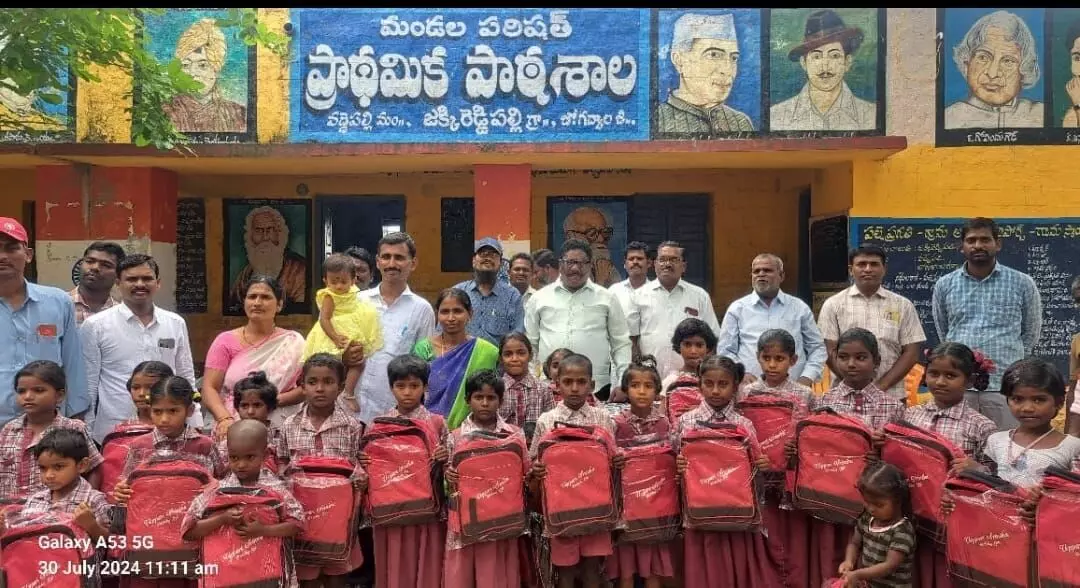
433	28
391	76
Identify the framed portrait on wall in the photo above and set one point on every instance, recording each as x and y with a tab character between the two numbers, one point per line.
267	237
599	221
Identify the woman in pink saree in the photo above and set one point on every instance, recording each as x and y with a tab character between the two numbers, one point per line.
259	345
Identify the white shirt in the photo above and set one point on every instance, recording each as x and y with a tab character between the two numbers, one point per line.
589	321
114	341
408	320
626	294
660	311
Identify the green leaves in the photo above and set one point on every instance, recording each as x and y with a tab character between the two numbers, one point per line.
40	46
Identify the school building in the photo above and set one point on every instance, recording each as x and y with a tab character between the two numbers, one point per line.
792	131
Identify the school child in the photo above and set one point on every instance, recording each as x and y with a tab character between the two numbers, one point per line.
526	398
693	340
39	391
951	370
322	428
246	447
574	557
411	556
64	455
786	526
857	395
172	402
343	317
641	420
491	564
1035	392
255	397
723	558
551	374
142	379
880	551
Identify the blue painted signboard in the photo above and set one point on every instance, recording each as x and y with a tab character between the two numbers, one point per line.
470	75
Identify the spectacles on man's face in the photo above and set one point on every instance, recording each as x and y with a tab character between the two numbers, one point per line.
572	263
593	233
667	260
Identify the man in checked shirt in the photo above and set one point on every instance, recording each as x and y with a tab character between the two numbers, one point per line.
990	308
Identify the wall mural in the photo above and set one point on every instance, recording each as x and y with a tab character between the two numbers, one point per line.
602	222
223	110
272	238
1008	76
29	119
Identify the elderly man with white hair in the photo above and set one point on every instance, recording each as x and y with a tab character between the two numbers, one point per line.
705	53
767	307
998	57
266	240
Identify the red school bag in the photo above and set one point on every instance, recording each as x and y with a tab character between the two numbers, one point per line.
490	501
114	450
925	458
987	542
579	491
649	487
684	396
323	486
38	550
163	486
239	561
721	486
402	481
831	455
773	419
1057	543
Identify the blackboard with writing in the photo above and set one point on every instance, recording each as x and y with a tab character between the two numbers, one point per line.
922	250
191	291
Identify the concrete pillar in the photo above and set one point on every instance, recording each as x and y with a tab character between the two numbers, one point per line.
80	204
503	196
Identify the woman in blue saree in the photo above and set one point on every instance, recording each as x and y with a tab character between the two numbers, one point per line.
454	356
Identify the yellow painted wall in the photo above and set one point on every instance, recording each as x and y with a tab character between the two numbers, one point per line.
752	212
19	186
970	181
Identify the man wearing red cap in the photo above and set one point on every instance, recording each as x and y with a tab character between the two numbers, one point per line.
36	322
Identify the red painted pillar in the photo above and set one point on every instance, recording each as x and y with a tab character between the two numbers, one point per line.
503	195
79	204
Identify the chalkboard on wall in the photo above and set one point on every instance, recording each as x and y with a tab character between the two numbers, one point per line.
829	251
458	230
922	250
191	290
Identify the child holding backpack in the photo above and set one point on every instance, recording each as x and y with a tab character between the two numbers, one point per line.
580	556
486	564
247	450
642	422
411	555
255	398
322	428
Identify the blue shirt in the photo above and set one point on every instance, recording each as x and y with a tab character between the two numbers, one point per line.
1000	315
749	317
44	328
496	314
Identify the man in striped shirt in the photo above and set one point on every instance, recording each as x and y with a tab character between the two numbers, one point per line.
990	308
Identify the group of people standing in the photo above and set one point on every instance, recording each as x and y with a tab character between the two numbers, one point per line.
524	329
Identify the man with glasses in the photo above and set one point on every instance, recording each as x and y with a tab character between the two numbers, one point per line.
496	305
665	302
576	313
592	225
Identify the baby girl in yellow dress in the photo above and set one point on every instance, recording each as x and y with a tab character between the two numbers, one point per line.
343	317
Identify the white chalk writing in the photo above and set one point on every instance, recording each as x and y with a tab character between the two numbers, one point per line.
535	27
432	28
390	76
993	137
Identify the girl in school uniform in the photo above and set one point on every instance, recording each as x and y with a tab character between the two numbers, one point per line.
951	370
490	564
643	420
411	556
723	558
858	357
